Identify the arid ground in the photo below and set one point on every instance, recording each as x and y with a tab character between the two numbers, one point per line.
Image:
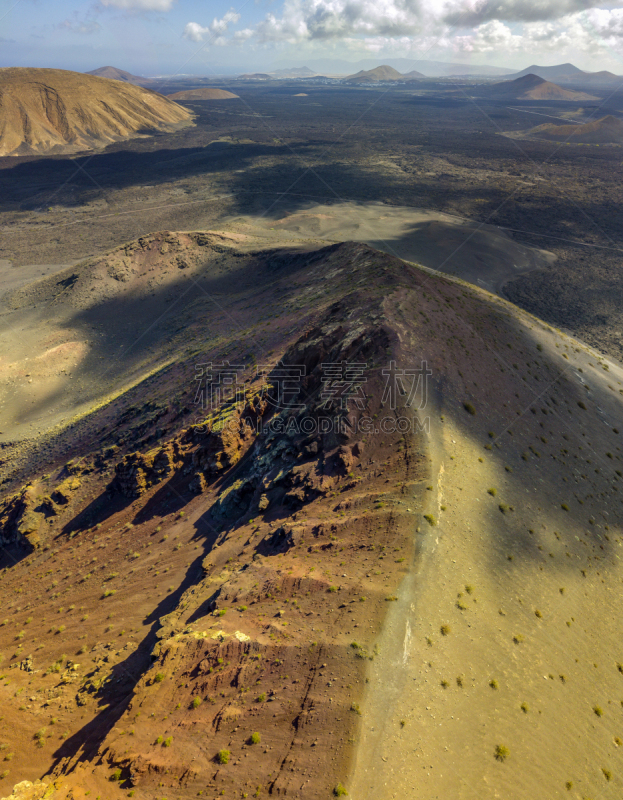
397	584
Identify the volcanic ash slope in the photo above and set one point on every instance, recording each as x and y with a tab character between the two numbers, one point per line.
52	111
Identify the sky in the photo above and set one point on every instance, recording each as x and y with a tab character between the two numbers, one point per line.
203	37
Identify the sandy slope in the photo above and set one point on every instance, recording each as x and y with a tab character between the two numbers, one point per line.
480	254
57	111
607	130
530	595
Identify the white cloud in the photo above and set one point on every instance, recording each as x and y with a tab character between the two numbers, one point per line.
216	30
556	30
310	20
140	5
468	13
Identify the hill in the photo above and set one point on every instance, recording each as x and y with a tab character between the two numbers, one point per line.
118	75
202	94
255	76
607	130
376	75
210	593
56	111
414	75
294	72
336	66
567	73
532	87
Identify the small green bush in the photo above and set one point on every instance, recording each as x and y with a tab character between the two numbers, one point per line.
339	790
196	702
492	491
261	698
159	677
255	738
223	756
168	741
501	752
470	409
430	518
116	775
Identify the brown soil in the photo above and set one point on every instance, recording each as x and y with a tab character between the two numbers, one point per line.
57	111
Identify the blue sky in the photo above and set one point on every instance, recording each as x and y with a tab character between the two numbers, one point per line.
151	37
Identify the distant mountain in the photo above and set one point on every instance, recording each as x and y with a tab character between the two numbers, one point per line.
255	76
293	72
414	75
567	73
115	74
376	75
433	69
554	73
532	87
608	130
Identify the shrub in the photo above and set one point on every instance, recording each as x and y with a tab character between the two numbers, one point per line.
223	756
503	508
598	710
255	738
501	752
339	790
607	774
39	737
196	702
493	683
470	409
445	630
168	741
108	593
261	698
430	518
159	677
492	491
116	775
524	707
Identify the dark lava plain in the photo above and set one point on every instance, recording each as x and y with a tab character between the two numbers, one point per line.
436	146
